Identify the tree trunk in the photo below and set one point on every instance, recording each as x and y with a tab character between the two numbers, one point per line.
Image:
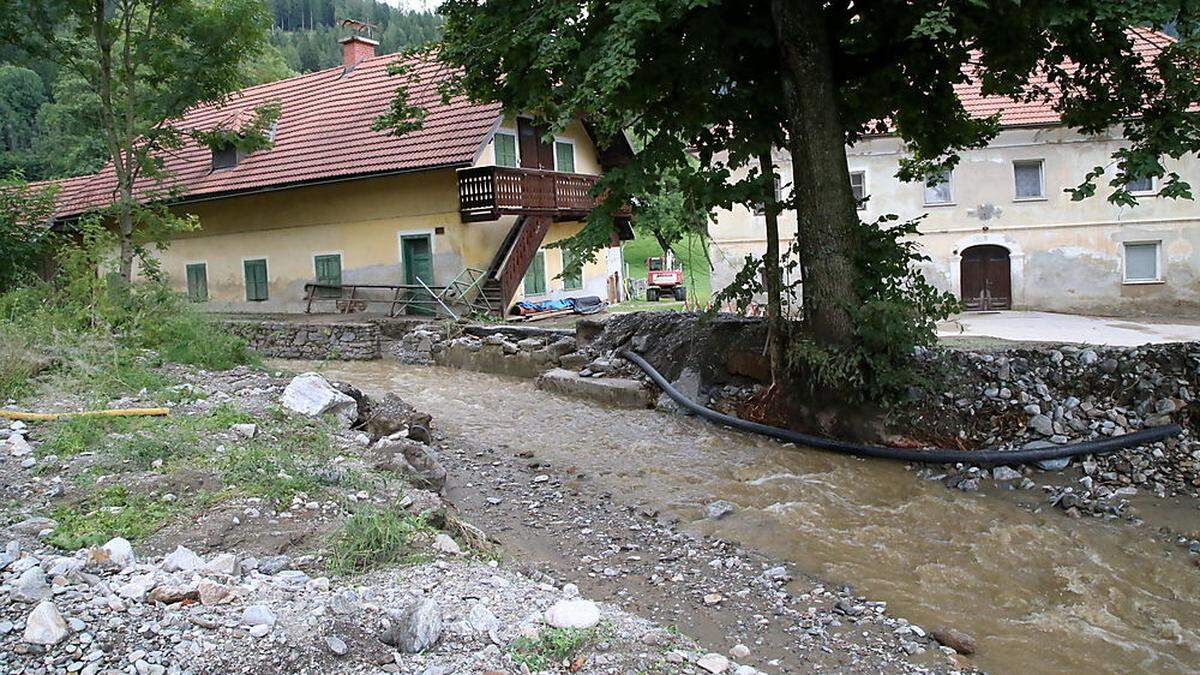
776	340
663	243
125	222
825	207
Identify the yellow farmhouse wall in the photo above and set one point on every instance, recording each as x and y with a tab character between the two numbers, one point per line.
362	221
1065	255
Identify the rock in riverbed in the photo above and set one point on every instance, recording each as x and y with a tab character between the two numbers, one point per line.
954	639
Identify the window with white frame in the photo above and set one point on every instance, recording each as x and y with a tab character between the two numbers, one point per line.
1143	262
858	186
1143	185
1029	179
938	189
564	156
506	148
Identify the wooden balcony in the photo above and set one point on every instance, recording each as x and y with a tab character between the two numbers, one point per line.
488	192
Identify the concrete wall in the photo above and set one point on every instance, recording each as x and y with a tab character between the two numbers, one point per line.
1065	256
363	221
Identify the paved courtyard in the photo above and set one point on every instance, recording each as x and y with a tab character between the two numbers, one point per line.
1051	327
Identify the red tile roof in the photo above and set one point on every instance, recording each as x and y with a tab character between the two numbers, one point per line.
1147	43
323	133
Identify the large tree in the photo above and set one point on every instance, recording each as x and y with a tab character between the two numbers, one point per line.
146	62
691	74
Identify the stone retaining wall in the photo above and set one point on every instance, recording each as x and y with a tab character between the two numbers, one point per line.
293	340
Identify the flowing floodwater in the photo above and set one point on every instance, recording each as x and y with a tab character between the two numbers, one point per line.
1040	592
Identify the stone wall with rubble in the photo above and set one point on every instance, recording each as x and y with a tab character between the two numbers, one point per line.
317	341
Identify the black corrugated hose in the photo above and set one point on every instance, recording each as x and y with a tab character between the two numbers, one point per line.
987	457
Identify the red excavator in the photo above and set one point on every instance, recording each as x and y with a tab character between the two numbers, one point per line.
664	279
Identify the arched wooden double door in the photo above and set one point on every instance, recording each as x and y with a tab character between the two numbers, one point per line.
986	278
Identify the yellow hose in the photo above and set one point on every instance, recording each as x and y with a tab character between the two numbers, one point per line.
120	412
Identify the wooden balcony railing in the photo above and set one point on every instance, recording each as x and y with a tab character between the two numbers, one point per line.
488	192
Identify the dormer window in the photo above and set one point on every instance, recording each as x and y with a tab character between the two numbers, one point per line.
225	157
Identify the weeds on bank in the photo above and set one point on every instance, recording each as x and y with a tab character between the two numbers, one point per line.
107	513
551	647
282	461
374	537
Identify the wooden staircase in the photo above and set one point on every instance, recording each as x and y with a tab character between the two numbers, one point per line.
512	260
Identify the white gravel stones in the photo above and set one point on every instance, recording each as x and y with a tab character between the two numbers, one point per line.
261	630
224	563
17	446
573	614
713	663
719	509
481	619
336	645
416	628
45	626
1004	473
444	543
311	394
739	651
258	615
245	430
119	552
31	586
212	593
182	558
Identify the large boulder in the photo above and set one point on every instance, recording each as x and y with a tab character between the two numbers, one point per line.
311	394
392	414
416	628
45	625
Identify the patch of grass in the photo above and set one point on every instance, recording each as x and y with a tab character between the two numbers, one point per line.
136	442
190	337
69	436
282	460
551	647
19	361
107	513
372	538
696	274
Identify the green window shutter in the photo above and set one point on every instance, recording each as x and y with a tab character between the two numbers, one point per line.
535	278
197	282
564	154
506	149
572	281
329	273
256	280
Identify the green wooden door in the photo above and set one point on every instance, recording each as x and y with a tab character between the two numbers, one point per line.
329	273
256	280
535	278
417	252
197	282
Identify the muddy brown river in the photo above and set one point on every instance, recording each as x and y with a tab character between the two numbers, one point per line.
1039	591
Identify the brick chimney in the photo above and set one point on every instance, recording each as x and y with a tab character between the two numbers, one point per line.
356	48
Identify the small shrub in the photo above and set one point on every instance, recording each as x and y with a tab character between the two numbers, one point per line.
551	647
189	337
372	538
107	513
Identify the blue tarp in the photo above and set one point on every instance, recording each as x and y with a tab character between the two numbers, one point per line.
546	305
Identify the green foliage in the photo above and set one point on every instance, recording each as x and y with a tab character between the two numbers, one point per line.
25	234
20	360
105	338
402	115
551	647
374	537
899	314
110	512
